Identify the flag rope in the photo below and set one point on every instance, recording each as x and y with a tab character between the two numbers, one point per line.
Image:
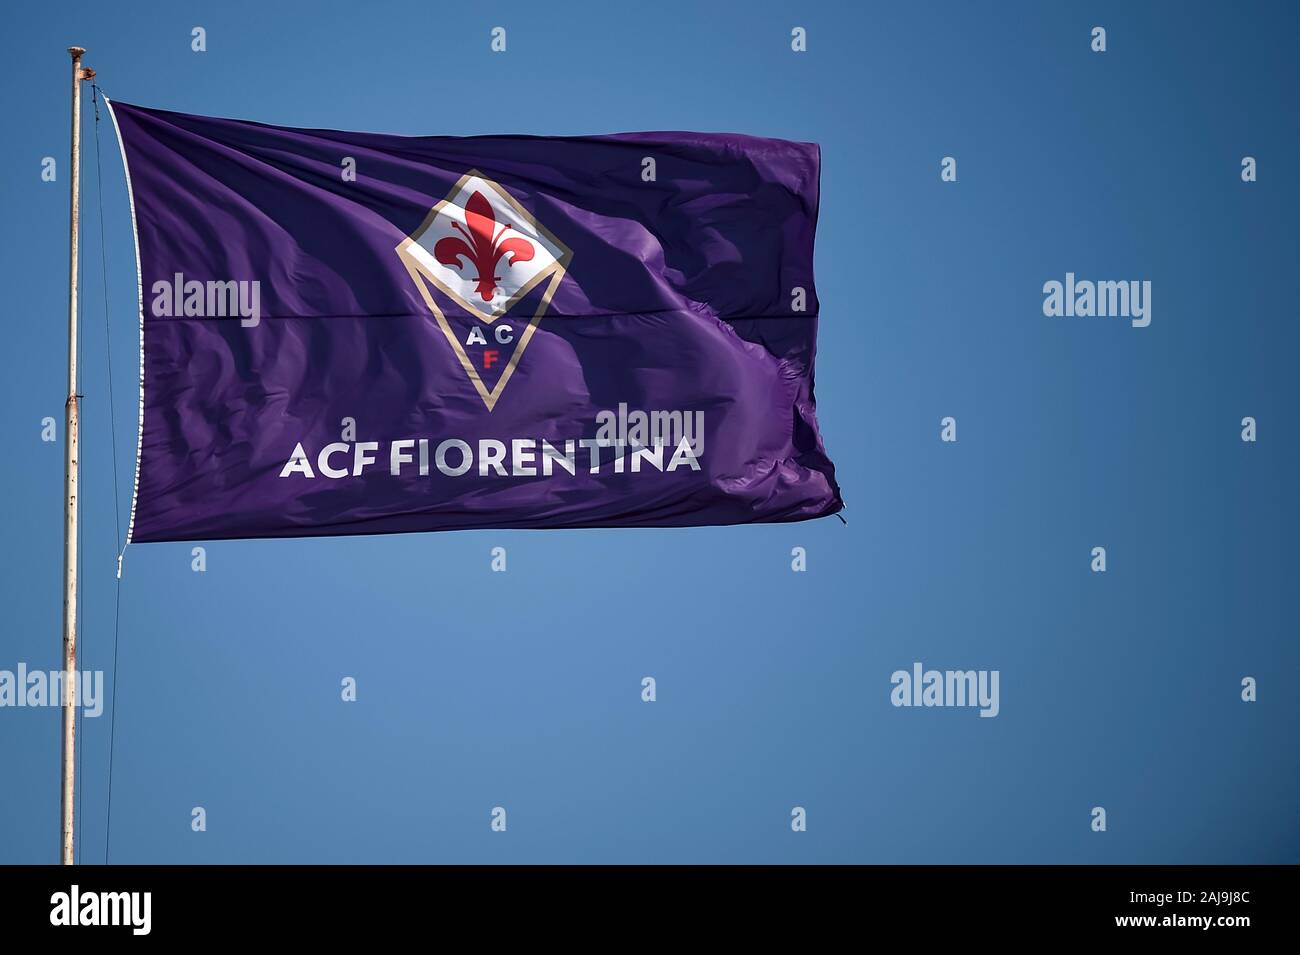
117	518
79	723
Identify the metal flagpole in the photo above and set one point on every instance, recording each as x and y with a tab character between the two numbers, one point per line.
71	424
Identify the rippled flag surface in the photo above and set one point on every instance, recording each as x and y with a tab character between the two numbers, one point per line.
352	333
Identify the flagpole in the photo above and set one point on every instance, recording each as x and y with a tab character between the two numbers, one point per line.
71	435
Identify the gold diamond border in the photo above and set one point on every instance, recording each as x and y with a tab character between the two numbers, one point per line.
420	276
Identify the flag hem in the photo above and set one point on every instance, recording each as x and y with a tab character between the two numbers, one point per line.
139	296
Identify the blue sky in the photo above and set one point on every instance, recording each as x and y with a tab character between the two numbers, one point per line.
522	689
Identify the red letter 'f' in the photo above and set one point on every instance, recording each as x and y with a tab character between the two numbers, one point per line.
490	355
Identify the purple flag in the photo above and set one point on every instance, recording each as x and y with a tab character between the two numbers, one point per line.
351	333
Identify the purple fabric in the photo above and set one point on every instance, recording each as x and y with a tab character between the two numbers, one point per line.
679	295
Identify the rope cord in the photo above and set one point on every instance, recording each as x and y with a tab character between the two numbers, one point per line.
117	519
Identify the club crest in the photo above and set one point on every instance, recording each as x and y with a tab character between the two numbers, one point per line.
477	255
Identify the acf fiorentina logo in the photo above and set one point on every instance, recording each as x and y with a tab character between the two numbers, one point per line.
485	253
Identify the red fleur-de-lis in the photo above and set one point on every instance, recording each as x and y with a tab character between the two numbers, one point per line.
481	246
